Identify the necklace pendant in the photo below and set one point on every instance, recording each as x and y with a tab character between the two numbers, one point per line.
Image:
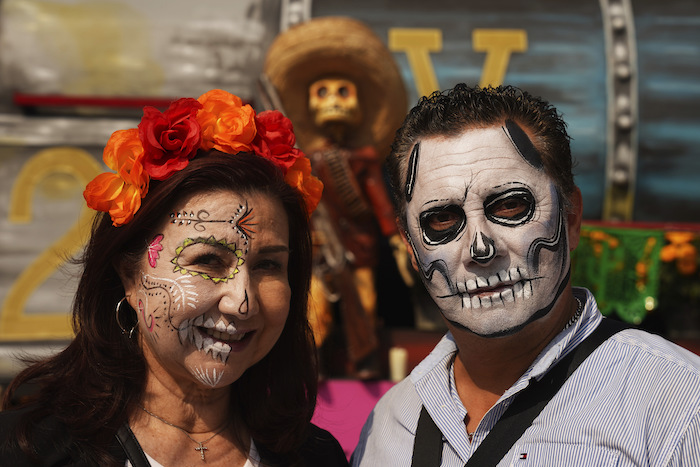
201	449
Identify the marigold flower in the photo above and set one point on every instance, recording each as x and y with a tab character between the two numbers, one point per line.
110	193
125	205
299	176
123	153
678	237
165	142
227	124
681	250
668	253
120	194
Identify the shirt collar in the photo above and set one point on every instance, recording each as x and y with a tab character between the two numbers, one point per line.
436	367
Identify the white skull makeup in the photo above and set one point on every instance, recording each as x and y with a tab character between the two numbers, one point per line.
487	228
214	299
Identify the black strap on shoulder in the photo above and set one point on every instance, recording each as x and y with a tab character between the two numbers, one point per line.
131	447
519	416
427	447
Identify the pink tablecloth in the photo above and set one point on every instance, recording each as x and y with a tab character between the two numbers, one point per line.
343	407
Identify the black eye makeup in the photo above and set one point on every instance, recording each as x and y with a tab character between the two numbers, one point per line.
442	224
510	208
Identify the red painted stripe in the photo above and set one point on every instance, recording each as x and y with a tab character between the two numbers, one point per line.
54	100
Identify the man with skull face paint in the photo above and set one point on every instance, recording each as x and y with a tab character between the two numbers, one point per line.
489	210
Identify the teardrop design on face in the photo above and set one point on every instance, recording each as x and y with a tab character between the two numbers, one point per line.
243	309
482	249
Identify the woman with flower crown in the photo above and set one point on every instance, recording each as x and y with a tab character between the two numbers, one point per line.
192	345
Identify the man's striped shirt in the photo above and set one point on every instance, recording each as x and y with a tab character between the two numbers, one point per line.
635	401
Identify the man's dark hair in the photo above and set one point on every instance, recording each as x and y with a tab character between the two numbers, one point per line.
451	112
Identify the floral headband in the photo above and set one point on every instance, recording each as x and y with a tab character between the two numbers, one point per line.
164	143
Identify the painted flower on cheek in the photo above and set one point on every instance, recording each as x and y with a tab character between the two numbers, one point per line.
154	249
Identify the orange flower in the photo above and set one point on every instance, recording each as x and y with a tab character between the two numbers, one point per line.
227	124
123	153
598	235
120	194
668	253
681	250
678	237
109	193
299	176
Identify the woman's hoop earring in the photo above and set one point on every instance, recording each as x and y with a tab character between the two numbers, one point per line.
124	331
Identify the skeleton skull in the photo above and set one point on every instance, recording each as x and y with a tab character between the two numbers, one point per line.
487	229
333	101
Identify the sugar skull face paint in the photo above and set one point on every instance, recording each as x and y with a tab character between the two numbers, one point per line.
487	229
216	301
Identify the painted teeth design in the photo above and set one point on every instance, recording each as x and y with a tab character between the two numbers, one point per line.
511	275
213	339
183	331
521	288
198	340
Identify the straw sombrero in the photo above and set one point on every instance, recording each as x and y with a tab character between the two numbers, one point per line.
345	47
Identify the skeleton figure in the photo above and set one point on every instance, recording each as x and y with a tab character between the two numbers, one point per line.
340	86
356	199
486	227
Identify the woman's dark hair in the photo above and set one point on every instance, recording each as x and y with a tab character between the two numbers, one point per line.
93	384
451	112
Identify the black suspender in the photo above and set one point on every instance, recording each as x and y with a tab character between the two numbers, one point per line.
427	448
131	447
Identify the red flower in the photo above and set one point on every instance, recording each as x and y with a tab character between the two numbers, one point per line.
170	139
275	139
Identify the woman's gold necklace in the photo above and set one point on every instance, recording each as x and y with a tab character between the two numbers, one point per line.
201	448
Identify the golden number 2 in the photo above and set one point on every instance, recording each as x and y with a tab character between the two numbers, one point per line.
14	323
